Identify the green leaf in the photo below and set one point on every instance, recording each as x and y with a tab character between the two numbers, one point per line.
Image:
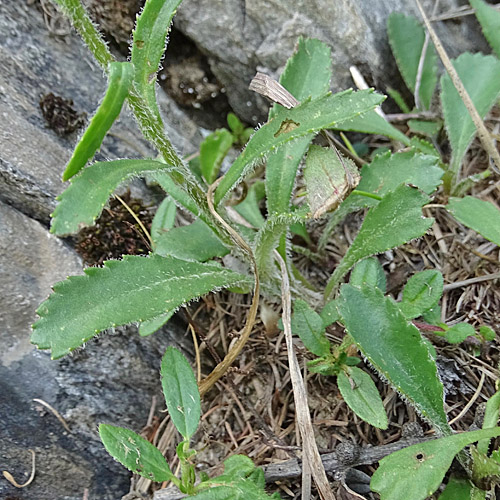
483	91
235	124
133	289
153	325
416	472
487	333
491	416
308	325
181	392
329	179
178	194
384	335
309	117
135	453
249	207
421	292
119	81
195	242
482	216
362	396
457	489
164	219
82	202
213	150
483	466
425	127
459	332
489	19
406	37
368	272
329	314
396	219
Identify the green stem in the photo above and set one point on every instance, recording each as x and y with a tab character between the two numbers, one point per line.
365	193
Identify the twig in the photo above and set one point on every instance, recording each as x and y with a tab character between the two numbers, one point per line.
471	281
403	117
7	475
55	412
361	84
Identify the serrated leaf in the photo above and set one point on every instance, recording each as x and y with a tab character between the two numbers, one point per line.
213	150
329	179
457	489
181	392
135	453
133	289
459	332
82	202
309	117
396	220
483	91
406	37
416	472
119	80
482	216
164	218
368	272
395	349
153	325
195	241
421	292
362	396
489	19
308	325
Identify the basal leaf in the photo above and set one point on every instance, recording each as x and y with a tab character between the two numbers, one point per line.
308	325
422	291
213	150
164	219
489	19
309	117
416	472
406	37
395	349
396	219
133	289
119	81
368	272
482	216
135	453
181	392
483	91
362	396
153	325
195	242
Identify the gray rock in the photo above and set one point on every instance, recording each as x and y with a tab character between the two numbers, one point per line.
32	156
112	380
242	36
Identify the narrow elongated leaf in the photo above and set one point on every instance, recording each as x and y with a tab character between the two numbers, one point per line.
422	291
213	150
153	325
181	392
483	91
416	472
133	289
306	74
362	396
457	489
309	117
119	81
368	272
135	453
249	207
406	37
193	242
395	349
82	202
395	220
489	19
308	325
164	219
482	216
491	416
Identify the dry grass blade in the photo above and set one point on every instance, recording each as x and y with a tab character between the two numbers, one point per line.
54	411
266	86
482	131
311	453
7	475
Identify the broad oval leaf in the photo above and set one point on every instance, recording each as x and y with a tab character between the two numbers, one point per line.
122	292
362	396
119	81
489	19
483	91
309	117
308	325
368	272
421	292
459	332
135	453
395	349
82	202
416	472
482	216
181	392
